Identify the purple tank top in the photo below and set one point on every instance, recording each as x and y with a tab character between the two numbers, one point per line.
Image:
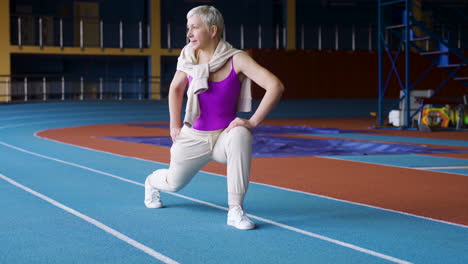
218	104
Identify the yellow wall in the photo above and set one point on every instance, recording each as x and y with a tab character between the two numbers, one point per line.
4	48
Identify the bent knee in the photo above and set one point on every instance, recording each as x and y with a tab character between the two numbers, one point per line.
159	179
174	188
240	131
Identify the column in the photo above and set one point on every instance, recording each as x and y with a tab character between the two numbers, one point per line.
155	48
291	24
5	51
418	15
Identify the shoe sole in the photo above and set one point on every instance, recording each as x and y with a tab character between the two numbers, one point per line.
240	228
153	206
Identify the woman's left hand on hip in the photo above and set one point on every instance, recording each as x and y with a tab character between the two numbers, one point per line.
240	122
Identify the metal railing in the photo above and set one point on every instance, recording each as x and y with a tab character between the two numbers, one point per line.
316	36
79	32
242	36
72	87
95	32
324	36
337	36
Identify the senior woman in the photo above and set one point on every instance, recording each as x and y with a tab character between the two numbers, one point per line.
218	78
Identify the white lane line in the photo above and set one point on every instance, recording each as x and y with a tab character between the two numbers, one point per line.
442	167
390	165
49	122
277	187
78	119
75	113
69	108
58	109
94	222
62	114
294	229
42	110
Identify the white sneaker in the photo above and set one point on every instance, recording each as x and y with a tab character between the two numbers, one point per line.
152	199
237	219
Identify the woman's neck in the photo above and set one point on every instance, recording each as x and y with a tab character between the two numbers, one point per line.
204	55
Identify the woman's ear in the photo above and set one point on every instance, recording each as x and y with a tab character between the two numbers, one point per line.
213	31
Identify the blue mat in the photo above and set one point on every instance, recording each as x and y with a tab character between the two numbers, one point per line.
277	146
266	144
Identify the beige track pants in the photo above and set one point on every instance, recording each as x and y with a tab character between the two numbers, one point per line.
194	148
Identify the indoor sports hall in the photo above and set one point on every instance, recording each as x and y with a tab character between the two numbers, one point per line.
364	159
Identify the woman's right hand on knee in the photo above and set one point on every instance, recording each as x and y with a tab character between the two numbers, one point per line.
175	131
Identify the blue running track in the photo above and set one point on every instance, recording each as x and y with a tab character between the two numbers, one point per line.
66	204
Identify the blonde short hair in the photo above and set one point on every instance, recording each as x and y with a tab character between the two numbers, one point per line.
210	16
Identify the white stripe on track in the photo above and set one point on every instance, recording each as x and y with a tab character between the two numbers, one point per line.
78	119
57	109
94	222
69	114
441	168
394	166
294	229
